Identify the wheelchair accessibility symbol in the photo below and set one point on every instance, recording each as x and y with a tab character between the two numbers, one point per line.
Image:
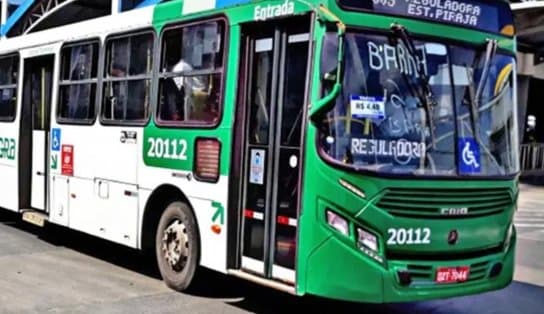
469	159
55	139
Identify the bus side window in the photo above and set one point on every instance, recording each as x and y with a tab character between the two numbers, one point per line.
127	78
191	73
77	87
9	67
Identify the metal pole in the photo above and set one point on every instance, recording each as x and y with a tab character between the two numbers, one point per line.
115	6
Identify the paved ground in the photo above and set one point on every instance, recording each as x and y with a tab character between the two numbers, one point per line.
60	271
529	221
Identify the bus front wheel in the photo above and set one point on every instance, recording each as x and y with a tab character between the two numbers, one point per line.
177	246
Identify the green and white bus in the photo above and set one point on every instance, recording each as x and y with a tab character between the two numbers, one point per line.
362	150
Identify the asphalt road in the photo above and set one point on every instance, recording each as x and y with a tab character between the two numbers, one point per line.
55	270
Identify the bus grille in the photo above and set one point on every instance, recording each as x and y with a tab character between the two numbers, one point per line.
424	274
430	203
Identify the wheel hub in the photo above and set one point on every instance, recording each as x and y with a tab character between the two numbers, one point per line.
175	245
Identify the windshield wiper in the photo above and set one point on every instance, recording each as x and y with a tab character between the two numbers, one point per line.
427	99
475	95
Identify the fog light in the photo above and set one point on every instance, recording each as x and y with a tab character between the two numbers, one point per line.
367	239
495	270
337	222
404	277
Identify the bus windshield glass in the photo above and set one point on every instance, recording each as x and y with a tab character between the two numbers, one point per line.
489	16
428	109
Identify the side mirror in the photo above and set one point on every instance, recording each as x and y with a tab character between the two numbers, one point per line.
330	65
329	58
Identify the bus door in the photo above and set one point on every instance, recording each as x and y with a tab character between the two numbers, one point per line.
35	123
276	67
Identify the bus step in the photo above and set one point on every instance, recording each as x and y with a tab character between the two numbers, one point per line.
263	281
35	217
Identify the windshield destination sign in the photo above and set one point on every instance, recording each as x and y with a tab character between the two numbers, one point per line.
471	13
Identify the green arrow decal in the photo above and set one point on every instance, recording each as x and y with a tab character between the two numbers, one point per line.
54	161
219	212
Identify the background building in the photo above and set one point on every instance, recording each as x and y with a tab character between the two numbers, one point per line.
529	20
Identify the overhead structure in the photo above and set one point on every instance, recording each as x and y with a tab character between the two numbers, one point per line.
21	17
529	21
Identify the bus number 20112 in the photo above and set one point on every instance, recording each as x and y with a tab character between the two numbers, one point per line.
409	236
167	148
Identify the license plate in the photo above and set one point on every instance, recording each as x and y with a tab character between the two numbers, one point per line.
34	218
452	274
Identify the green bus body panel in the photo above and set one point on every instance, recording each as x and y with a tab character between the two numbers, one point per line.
170	14
152	132
328	263
352	275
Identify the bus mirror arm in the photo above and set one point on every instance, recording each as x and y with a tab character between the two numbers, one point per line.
325	104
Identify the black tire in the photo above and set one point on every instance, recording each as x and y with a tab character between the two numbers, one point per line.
178	277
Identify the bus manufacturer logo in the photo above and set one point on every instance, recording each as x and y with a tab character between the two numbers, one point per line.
454	211
453	236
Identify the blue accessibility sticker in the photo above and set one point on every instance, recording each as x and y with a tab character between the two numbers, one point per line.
55	139
469	155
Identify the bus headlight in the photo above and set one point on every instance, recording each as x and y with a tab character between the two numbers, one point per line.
338	222
367	239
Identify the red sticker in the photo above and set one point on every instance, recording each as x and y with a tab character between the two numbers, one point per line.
67	160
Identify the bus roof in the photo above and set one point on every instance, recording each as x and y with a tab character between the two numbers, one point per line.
242	10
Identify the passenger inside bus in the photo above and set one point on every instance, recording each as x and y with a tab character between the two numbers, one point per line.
190	82
189	97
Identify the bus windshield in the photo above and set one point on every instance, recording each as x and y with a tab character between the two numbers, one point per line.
429	109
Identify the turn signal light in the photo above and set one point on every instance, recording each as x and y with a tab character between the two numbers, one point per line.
216	229
352	188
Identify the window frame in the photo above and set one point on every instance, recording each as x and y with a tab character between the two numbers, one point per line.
15	86
152	77
96	81
222	71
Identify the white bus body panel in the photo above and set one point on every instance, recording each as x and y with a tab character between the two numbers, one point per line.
110	185
59	204
98	156
84	215
118	212
201	196
115	155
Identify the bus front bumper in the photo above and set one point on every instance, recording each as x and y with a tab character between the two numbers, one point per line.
353	276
